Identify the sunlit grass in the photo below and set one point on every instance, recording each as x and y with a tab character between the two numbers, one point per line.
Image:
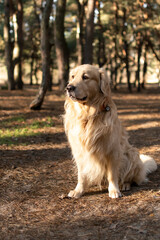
11	137
9	121
41	124
17	119
14	129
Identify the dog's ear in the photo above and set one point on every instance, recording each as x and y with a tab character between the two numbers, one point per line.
104	82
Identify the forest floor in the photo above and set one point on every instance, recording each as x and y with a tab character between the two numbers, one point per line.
36	171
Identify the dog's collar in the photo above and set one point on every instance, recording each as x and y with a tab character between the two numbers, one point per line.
105	108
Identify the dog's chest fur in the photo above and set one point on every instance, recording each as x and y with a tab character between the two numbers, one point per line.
87	133
87	130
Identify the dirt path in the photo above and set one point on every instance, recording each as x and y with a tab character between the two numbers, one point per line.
36	169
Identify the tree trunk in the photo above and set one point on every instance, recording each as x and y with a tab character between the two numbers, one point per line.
36	68
126	48
101	40
88	49
111	70
20	42
8	45
145	66
45	55
62	51
121	75
127	65
31	68
80	31
140	43
115	44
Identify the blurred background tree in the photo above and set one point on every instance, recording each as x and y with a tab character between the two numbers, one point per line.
121	36
13	39
45	55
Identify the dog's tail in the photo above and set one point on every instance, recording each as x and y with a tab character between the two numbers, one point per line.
149	163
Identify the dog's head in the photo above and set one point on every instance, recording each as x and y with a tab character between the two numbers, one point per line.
87	82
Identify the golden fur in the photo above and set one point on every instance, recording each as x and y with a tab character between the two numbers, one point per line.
98	141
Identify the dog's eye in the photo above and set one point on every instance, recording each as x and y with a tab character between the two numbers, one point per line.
84	77
72	76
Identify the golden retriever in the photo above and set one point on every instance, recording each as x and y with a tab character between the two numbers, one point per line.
98	141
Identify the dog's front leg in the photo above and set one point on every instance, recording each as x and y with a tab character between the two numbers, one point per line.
112	175
79	190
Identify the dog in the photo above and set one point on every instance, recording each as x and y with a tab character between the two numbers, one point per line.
98	141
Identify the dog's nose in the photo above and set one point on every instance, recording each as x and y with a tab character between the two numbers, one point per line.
70	88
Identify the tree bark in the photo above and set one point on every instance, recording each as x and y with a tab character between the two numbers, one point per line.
101	40
127	66
115	44
145	66
126	48
45	56
62	51
88	49
8	45
80	31
31	68
139	53
20	42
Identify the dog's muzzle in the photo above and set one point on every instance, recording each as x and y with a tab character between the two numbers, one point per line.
71	92
70	88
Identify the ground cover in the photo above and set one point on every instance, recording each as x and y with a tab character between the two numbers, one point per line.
36	171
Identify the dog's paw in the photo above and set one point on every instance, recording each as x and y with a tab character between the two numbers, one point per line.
74	194
126	187
114	194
